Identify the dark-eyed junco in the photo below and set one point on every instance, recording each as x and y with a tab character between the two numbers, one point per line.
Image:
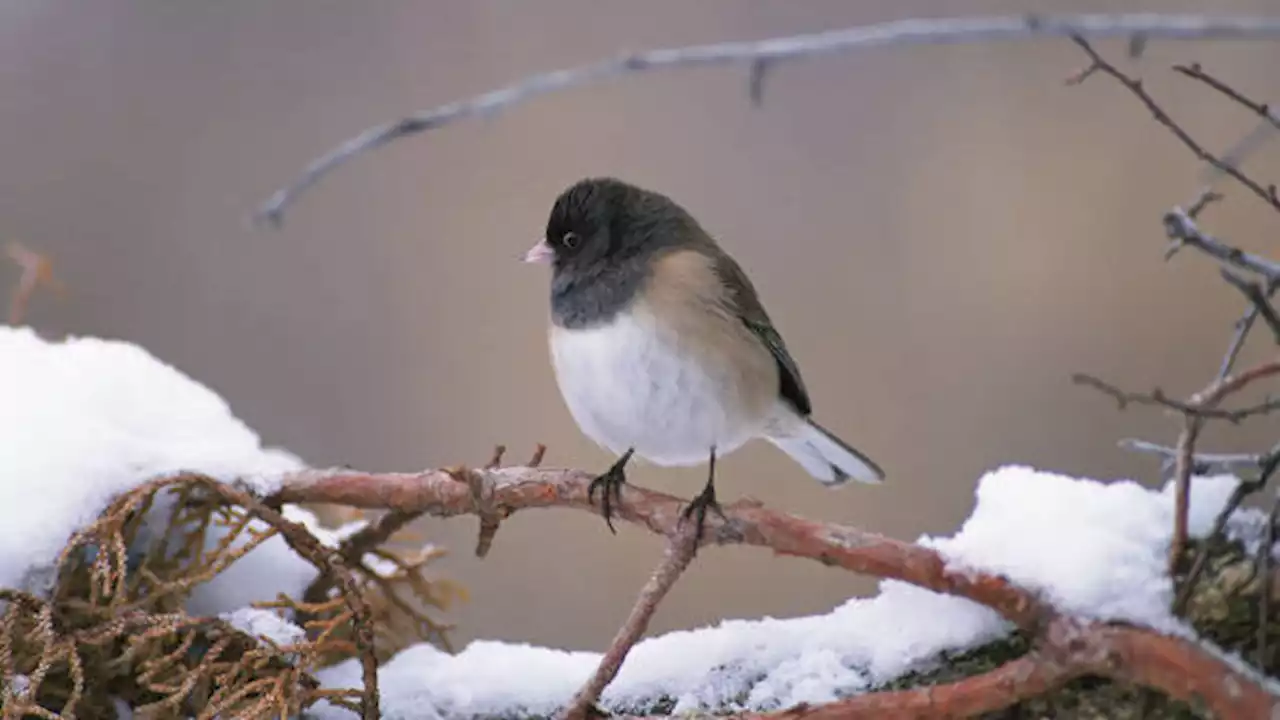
662	348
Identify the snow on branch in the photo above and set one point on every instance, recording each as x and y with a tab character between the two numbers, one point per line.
761	55
1065	645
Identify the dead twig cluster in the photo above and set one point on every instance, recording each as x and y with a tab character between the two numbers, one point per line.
1256	278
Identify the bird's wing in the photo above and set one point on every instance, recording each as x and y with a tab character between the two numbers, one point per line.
745	302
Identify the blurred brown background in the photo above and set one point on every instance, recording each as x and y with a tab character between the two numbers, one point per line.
942	234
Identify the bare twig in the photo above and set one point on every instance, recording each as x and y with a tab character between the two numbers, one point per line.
1207	197
1135	86
767	53
1263	110
1158	398
1266	465
37	270
1191	426
1195	411
1264	571
755	82
1257	296
1239	334
1066	647
330	562
681	547
354	548
1202	463
539	452
1181	228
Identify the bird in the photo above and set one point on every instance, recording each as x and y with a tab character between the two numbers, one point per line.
662	348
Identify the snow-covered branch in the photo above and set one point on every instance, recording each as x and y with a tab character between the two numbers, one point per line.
1065	646
762	55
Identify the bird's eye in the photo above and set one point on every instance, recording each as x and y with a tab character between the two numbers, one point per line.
570	240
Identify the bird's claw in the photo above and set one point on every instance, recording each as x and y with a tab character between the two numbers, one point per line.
610	486
699	505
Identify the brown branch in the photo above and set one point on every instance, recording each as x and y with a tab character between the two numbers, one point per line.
1195	411
328	562
1266	464
437	493
1070	649
1066	647
37	270
1135	86
1205	399
681	548
1263	110
1264	591
1158	398
1182	491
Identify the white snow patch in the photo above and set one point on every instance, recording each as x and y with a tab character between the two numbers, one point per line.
85	419
1095	549
266	624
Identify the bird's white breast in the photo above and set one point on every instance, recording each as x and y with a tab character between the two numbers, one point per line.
671	393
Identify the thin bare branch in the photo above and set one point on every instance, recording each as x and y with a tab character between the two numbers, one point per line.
1261	109
681	547
767	53
1266	465
1257	296
1158	398
1204	463
1191	426
37	270
1180	228
1239	334
1135	86
1195	411
1264	571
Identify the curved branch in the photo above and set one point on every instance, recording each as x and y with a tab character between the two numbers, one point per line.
1070	650
439	493
1067	647
762	54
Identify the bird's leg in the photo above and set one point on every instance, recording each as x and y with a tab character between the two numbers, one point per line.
705	499
610	486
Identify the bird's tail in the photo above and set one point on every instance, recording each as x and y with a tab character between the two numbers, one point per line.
827	457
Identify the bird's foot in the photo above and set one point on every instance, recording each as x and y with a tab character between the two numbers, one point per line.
697	508
610	486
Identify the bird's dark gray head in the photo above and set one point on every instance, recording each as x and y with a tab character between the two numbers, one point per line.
604	220
600	237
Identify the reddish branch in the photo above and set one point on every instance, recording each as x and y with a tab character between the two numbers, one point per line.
37	270
1195	410
681	547
1065	647
1204	400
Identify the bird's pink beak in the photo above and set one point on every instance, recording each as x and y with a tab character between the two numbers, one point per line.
540	253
